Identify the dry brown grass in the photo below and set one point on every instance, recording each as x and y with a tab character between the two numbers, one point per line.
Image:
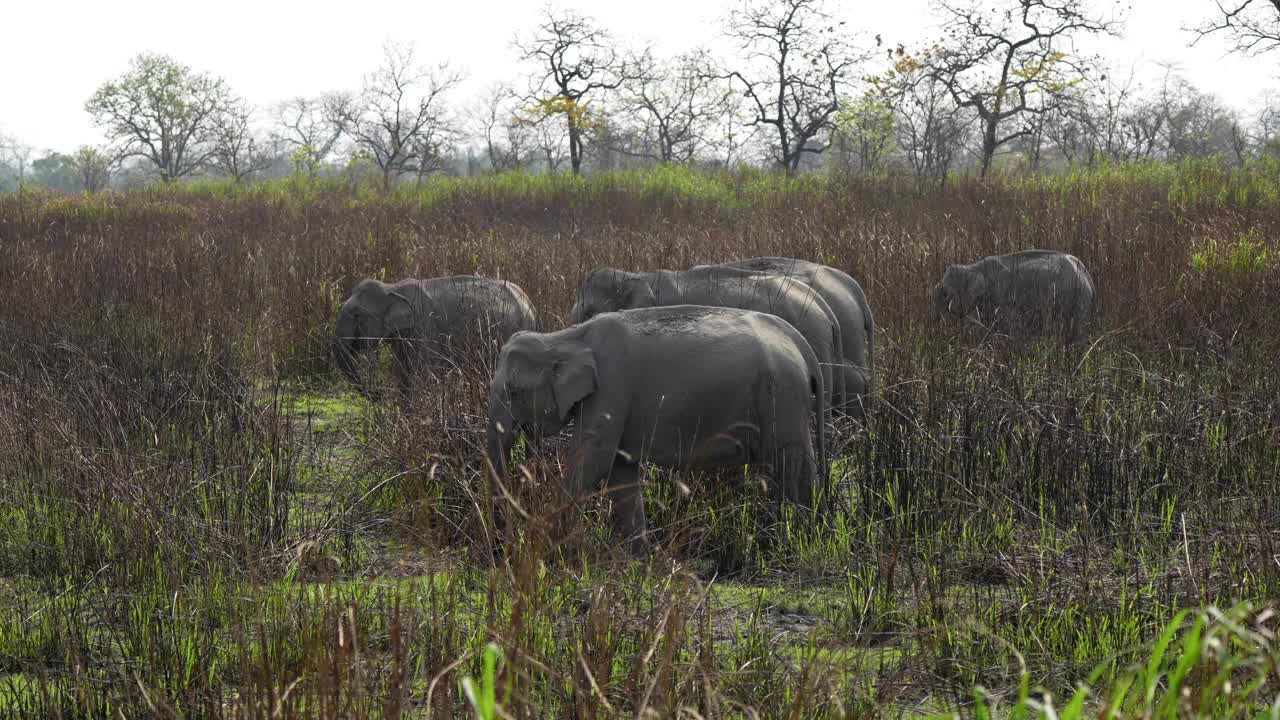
185	539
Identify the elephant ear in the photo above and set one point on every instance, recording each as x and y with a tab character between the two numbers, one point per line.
574	377
637	293
402	314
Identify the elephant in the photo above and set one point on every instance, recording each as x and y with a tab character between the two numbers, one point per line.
682	386
849	304
1031	290
428	322
608	289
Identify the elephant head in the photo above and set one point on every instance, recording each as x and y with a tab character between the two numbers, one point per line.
610	290
539	380
374	312
960	291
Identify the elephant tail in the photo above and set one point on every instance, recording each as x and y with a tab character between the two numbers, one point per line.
839	390
822	412
869	327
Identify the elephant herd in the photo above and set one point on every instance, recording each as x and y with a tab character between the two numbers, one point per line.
714	366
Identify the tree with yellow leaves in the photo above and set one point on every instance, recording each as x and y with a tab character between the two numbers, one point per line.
572	59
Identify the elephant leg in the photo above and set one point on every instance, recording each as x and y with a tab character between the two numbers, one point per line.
786	454
855	383
789	476
789	458
626	496
433	356
774	480
830	373
593	451
402	369
799	468
1075	322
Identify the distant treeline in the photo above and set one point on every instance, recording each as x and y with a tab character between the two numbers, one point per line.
994	92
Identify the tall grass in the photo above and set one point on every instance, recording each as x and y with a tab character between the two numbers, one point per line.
197	520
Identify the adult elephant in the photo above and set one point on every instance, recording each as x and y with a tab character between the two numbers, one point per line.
429	322
1029	291
682	386
848	303
608	290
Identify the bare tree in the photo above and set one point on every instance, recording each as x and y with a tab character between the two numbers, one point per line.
797	67
731	136
17	155
1070	128
1143	128
1240	137
1267	124
94	167
1107	119
1030	143
399	116
672	103
550	145
236	151
928	126
496	120
311	126
161	111
1005	60
1252	25
1195	124
863	134
573	60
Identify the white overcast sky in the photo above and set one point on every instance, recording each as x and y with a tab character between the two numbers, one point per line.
56	52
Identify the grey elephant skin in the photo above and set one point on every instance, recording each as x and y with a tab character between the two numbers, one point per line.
1033	291
848	303
682	386
609	289
429	322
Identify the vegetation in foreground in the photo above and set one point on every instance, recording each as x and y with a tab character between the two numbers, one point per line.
199	520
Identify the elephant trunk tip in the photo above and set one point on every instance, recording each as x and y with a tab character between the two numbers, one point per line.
344	356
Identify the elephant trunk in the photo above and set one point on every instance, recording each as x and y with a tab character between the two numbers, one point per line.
344	356
347	343
500	434
938	304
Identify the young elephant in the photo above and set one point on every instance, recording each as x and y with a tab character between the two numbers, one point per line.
682	386
609	290
1031	291
848	303
429	321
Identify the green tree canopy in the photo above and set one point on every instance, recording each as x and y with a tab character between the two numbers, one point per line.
56	171
162	111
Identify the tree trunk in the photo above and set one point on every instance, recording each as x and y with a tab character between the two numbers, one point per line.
988	146
575	145
790	159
